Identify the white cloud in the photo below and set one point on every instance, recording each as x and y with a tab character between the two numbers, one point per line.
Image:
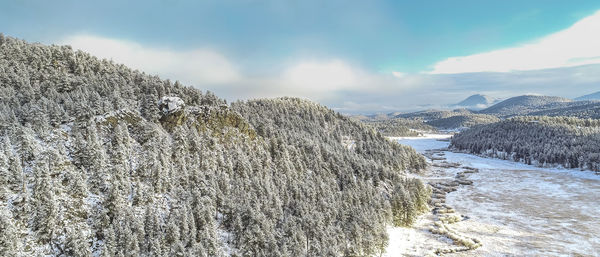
210	70
398	74
321	75
335	82
195	66
574	46
319	80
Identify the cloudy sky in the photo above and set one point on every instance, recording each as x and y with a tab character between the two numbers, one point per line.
353	56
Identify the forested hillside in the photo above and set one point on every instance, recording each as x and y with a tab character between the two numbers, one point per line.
302	122
429	115
584	110
98	159
455	119
522	105
399	127
592	96
463	121
565	141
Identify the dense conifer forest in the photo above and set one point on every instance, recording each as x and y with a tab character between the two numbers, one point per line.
544	141
399	127
526	104
463	121
584	110
97	159
430	121
429	115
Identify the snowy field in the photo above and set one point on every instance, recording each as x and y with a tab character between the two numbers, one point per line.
513	208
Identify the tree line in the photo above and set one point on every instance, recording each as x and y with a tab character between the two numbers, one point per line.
540	140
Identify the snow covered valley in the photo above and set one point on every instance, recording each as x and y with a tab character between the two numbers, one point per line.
510	209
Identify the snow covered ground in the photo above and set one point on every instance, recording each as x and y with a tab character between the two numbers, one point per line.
513	208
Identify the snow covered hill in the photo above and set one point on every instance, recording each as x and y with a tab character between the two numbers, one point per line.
521	105
99	159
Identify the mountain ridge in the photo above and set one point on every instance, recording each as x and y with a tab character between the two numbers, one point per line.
592	96
520	105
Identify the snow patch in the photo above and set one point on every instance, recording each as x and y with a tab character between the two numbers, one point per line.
348	142
225	236
66	127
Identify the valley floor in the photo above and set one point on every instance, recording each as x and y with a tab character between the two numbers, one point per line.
512	209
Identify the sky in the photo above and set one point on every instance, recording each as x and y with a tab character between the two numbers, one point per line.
353	56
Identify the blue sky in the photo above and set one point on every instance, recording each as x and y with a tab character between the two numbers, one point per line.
345	50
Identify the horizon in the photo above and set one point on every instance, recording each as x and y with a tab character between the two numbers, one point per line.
359	58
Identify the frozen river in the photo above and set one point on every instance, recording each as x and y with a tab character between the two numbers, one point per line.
512	208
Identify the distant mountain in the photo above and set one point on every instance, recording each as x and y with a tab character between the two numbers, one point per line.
521	105
579	109
592	96
477	101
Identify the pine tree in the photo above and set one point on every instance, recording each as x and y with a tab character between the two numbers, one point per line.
8	237
77	244
14	173
44	202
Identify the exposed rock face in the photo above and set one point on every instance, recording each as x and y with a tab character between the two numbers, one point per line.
170	104
172	110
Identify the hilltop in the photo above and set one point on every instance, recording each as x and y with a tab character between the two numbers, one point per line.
521	105
476	101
